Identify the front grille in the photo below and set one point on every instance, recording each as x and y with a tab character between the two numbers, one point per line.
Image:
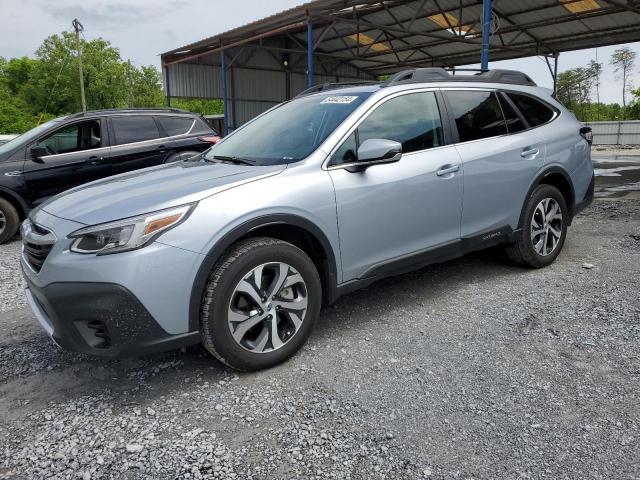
37	243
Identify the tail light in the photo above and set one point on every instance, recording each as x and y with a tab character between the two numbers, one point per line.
587	134
212	139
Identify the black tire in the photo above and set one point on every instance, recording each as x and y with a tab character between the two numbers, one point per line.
181	156
9	221
522	251
239	260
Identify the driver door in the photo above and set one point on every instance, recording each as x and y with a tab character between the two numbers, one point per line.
391	213
78	154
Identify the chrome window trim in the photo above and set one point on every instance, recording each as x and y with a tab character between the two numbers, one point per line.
58	155
152	140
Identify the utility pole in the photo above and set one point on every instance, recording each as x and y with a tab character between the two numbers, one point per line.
77	26
129	96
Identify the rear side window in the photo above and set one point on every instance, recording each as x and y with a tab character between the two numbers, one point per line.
176	125
478	114
134	129
535	111
202	127
514	122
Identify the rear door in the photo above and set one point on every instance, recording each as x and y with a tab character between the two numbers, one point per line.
501	157
78	154
137	143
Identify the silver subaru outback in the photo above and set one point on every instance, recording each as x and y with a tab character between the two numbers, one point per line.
239	247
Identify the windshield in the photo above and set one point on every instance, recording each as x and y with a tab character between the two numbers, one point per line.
27	136
290	132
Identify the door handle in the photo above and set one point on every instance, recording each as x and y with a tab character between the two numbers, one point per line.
447	169
530	152
95	160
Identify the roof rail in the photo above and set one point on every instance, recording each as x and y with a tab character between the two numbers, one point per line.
437	74
332	86
128	110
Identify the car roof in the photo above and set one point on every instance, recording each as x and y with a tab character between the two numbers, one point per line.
132	111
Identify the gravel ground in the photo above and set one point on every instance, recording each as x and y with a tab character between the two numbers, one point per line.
11	283
466	370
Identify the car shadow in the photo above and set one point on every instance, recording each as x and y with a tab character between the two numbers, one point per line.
29	357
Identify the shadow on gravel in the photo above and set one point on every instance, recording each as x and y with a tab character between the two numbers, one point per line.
49	372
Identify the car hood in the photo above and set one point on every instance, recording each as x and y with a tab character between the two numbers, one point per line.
151	189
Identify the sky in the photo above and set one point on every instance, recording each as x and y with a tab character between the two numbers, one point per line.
142	29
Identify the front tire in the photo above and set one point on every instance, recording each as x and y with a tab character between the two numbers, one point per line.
9	221
260	304
544	228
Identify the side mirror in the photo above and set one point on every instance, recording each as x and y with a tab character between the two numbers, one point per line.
38	152
376	151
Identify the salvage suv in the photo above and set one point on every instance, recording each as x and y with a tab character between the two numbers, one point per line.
69	151
319	196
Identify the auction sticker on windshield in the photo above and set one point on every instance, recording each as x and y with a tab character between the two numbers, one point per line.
341	99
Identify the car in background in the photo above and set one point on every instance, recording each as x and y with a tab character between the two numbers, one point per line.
70	151
5	138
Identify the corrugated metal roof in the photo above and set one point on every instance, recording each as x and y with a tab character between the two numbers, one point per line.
385	36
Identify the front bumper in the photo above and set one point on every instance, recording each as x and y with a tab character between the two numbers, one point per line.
100	319
117	305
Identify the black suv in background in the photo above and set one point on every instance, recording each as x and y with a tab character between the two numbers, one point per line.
73	150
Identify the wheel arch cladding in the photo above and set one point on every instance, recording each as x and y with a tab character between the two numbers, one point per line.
17	202
556	177
293	229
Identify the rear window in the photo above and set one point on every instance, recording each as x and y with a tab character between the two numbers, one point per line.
134	129
535	111
176	125
478	114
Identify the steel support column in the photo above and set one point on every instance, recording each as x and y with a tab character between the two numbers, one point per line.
555	75
167	86
309	52
225	107
486	34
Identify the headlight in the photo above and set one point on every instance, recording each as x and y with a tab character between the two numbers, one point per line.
129	233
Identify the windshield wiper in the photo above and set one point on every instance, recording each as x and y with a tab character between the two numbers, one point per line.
238	160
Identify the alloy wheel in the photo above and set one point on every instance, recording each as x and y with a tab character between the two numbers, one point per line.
3	222
267	307
546	227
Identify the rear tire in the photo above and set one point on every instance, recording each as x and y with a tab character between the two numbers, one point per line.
9	221
260	304
544	228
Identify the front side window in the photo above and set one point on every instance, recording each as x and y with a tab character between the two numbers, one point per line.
533	110
412	119
73	138
291	131
133	129
477	113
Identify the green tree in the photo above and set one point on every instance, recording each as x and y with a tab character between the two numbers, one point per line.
623	60
55	83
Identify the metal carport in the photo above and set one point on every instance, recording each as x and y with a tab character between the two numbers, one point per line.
324	41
